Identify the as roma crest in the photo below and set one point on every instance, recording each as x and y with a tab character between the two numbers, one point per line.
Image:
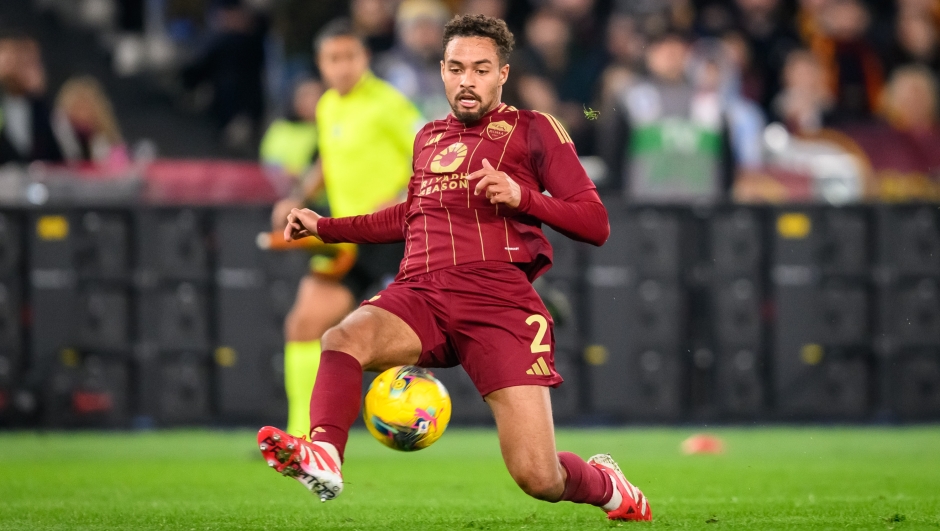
497	130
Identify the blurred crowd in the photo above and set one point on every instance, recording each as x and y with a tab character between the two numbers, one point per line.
76	126
667	100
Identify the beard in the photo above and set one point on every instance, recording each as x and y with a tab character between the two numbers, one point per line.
463	115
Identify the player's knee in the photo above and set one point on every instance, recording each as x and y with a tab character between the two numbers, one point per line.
541	484
340	338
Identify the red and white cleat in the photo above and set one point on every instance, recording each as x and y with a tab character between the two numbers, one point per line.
309	463
633	505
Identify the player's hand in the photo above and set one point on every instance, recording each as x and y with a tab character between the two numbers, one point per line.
280	211
499	187
301	222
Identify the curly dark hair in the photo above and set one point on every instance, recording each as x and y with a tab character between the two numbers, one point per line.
482	26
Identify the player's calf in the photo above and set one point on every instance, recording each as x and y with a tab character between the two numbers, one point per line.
540	482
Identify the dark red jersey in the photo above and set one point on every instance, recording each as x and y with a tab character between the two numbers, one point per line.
444	224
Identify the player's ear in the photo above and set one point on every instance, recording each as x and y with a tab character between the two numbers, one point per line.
503	74
442	69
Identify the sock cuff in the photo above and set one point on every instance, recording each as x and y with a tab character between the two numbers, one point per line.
584	484
341	359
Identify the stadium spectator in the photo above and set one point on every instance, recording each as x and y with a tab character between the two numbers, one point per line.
667	143
375	21
25	116
718	92
805	102
489	8
753	86
232	62
624	47
658	16
853	68
770	35
85	125
294	25
915	42
904	147
586	31
413	66
552	78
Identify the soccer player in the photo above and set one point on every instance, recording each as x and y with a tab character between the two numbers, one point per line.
366	130
463	295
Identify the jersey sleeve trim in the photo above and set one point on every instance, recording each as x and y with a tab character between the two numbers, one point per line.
559	129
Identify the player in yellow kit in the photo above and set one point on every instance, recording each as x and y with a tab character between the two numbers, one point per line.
358	110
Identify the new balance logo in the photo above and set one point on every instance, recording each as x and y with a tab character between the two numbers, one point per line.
539	368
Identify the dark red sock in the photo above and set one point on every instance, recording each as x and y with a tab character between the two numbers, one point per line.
585	484
336	399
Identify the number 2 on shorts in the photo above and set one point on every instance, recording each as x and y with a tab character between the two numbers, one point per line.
537	345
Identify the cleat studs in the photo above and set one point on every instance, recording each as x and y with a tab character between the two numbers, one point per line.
297	458
276	438
272	463
263	447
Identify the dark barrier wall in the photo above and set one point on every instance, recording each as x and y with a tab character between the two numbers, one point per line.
173	316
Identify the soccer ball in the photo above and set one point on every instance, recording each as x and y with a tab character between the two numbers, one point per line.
406	408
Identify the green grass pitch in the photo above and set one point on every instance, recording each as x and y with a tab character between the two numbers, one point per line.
768	478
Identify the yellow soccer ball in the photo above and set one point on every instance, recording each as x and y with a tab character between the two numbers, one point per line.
406	408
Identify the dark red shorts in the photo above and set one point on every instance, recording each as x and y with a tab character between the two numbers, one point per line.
484	316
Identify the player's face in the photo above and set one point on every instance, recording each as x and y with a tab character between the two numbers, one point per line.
342	62
473	79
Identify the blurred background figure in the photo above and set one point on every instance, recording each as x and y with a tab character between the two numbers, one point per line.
294	24
718	89
490	8
666	138
231	63
624	48
586	34
854	72
375	21
289	146
413	66
916	42
86	127
805	102
770	36
553	77
26	129
904	145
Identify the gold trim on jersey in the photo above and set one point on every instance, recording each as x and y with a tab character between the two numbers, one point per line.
433	139
559	129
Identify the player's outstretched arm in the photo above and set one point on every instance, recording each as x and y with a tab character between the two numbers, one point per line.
385	226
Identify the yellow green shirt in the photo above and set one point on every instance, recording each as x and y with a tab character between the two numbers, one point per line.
366	141
290	145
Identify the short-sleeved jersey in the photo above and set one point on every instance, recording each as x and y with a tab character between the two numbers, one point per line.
447	225
366	141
